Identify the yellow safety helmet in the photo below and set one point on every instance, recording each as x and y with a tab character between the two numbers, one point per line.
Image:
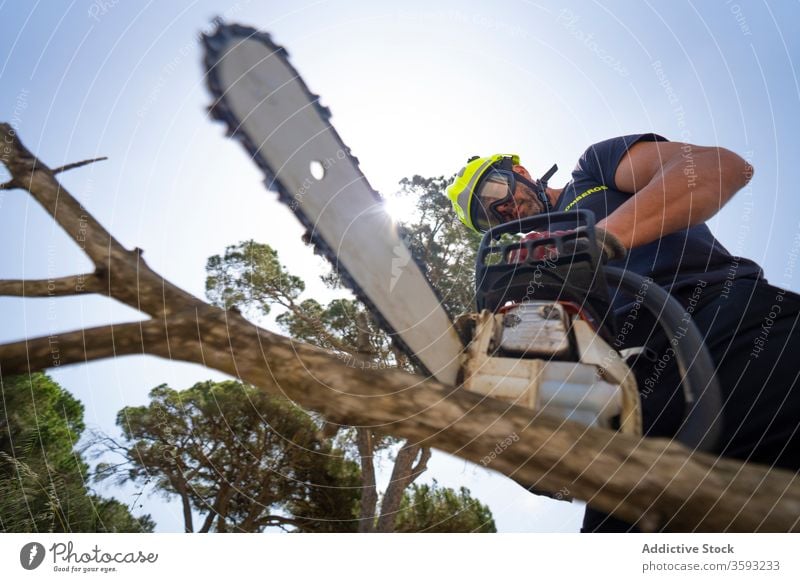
461	191
485	185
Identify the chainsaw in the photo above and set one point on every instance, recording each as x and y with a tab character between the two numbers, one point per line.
540	337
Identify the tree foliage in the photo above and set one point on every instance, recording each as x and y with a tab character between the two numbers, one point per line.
441	245
435	509
250	278
243	459
42	473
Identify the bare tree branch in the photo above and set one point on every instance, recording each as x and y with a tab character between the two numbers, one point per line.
63	286
649	481
131	281
208	521
73	165
422	462
94	343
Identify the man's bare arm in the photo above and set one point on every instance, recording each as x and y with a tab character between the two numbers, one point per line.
675	186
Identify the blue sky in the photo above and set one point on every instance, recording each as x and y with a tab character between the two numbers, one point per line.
415	88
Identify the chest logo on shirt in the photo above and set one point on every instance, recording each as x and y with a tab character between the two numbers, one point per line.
583	195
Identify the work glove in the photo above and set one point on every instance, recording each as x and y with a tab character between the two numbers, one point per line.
610	246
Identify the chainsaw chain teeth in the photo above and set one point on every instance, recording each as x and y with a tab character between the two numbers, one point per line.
219	110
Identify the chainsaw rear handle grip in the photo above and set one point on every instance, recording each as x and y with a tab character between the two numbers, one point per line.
702	419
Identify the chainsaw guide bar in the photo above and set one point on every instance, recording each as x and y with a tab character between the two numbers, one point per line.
267	106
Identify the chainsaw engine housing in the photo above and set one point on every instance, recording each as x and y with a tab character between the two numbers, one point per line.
539	339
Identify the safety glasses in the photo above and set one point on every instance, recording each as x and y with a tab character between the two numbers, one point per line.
495	189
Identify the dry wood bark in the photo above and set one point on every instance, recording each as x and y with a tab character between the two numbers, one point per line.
653	482
369	492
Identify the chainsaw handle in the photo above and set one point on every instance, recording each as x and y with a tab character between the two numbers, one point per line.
702	419
550	221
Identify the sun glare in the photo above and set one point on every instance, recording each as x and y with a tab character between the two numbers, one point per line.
400	208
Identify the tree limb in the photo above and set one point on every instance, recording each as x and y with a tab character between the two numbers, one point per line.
95	343
62	286
649	481
422	463
131	281
208	521
73	165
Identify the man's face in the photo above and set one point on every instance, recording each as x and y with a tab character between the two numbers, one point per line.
525	202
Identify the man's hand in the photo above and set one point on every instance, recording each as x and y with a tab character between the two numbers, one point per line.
610	246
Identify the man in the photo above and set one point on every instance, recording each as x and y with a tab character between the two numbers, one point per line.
651	198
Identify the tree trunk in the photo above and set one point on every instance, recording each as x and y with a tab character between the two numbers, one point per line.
188	525
403	475
369	492
218	509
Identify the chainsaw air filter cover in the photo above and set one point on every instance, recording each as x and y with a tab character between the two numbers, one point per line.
535	328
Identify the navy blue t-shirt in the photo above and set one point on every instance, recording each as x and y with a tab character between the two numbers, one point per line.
678	261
